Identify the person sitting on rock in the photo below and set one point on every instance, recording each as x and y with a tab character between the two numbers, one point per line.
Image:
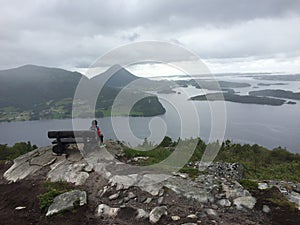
97	130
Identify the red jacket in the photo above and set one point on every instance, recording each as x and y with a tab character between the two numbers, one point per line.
98	131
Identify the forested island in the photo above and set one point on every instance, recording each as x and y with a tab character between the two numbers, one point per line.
277	93
211	84
247	99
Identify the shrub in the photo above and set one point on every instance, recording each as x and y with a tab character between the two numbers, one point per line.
192	172
20	148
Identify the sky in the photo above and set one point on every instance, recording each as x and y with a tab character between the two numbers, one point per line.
227	35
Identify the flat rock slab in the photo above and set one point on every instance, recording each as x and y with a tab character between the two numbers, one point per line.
43	160
191	190
66	201
69	172
20	172
74	156
22	166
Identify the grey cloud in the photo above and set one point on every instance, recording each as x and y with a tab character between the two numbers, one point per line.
131	37
68	32
92	17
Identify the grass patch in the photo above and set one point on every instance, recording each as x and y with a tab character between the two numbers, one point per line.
283	202
192	172
53	189
155	155
249	184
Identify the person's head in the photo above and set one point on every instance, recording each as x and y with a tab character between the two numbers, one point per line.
94	123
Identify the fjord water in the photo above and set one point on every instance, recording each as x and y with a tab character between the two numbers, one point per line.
269	126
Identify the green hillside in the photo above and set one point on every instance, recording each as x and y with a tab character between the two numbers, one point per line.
34	92
259	163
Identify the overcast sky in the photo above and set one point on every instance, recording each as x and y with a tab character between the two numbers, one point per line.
229	35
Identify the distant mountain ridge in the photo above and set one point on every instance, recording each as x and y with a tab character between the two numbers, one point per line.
37	88
28	85
121	77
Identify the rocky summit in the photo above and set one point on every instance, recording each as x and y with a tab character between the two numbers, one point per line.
100	189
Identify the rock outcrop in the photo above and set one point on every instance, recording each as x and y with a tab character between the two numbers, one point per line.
29	163
222	169
149	195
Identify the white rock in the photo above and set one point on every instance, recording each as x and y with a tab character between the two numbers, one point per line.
20	207
114	196
20	172
119	187
126	180
131	195
157	213
224	203
246	202
152	189
161	192
192	216
148	200
66	201
88	168
106	211
142	214
182	175
43	160
103	191
214	206
74	156
140	158
234	191
262	186
160	200
211	212
201	196
175	218
22	166
266	209
295	198
69	172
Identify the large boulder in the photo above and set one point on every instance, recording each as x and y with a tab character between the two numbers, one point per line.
66	201
245	202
